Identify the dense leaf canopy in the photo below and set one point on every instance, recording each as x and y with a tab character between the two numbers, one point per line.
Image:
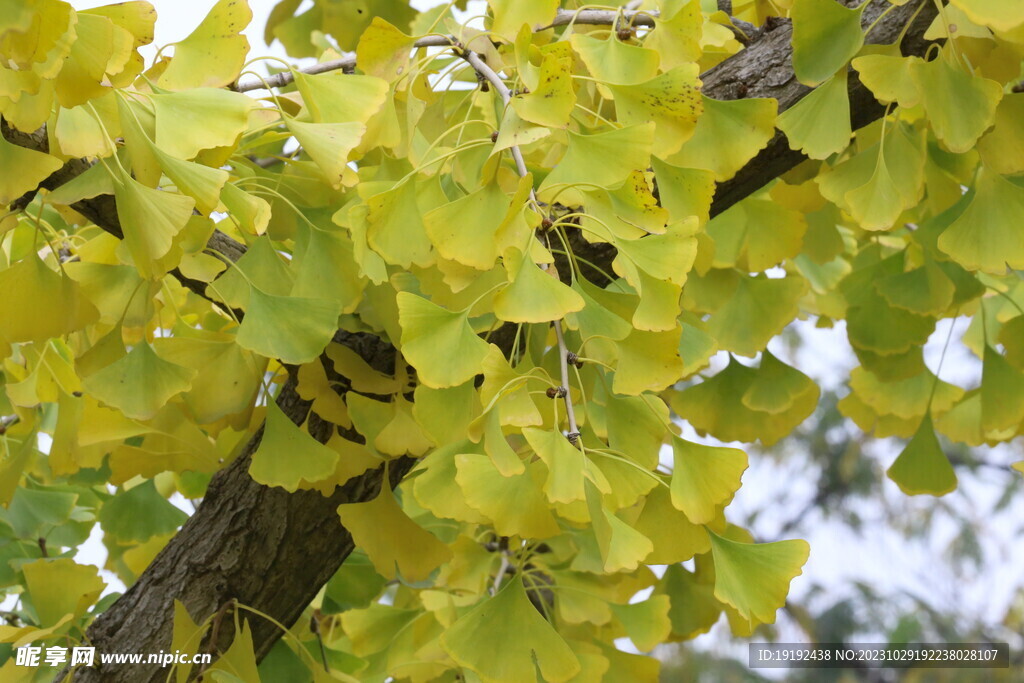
496	261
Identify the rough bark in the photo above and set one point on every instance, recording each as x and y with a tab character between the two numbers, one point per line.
273	550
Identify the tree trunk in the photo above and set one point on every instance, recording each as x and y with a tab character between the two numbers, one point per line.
273	550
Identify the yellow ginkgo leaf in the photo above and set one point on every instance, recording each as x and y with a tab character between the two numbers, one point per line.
337	97
677	33
754	577
150	220
672	101
648	361
889	77
599	160
287	454
140	383
515	504
622	547
729	133
375	526
213	54
1002	148
960	105
466	230
383	50
704	478
21	170
552	102
528	640
197	119
987	235
755	312
1002	393
922	467
41	303
395	227
510	15
329	145
61	586
532	295
675	537
439	343
1001	15
613	61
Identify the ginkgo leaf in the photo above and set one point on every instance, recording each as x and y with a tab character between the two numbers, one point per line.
507	388
922	467
201	183
383	50
960	105
677	35
375	524
532	295
290	328
191	121
510	15
777	386
58	587
754	577
213	54
551	103
613	61
674	536
756	311
1001	15
672	101
704	478
261	265
506	460
622	547
288	455
1002	148
801	123
1002	393
328	144
396	230
646	622
876	204
925	290
150	220
987	235
567	465
227	376
528	640
138	514
668	256
694	609
439	343
514	504
889	77
648	361
336	97
729	133
684	191
599	160
41	303
22	170
755	235
466	230
140	383
825	36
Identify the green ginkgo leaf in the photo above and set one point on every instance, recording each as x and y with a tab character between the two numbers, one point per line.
622	547
1002	393
439	343
262	266
138	514
375	524
729	133
1002	148
395	227
668	256
60	587
201	183
287	454
466	230
510	15
801	123
684	191
876	204
567	465
925	290
140	383
290	328
613	61
527	639
41	303
777	386
336	97
754	577
922	467
756	311
599	160
680	33
987	235
889	77
327	268
532	295
150	220
672	101
826	36
704	478
675	537
960	105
